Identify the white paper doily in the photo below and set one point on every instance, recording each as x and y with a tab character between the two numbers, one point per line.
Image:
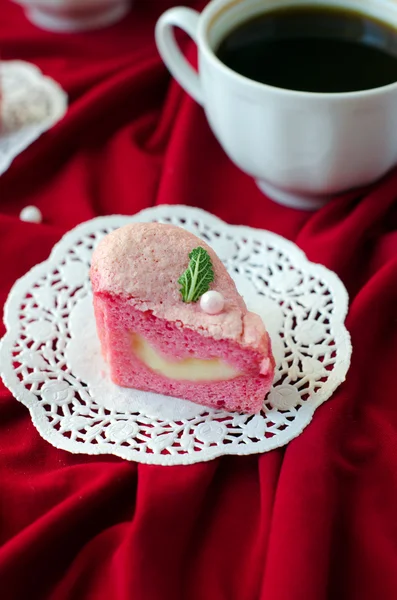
51	360
30	104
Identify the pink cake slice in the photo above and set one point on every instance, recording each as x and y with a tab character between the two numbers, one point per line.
154	341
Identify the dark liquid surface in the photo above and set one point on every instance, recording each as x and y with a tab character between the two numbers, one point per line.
313	50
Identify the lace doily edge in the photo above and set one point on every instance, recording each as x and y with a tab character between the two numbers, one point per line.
49	434
62	443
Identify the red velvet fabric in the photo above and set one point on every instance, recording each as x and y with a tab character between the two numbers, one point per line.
314	521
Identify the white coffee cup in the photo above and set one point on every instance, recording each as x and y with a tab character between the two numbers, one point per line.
74	15
302	148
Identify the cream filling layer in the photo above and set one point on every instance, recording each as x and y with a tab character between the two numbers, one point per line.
185	369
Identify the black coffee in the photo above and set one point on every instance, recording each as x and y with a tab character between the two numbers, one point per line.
313	49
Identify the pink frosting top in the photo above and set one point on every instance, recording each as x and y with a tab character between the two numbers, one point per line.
142	263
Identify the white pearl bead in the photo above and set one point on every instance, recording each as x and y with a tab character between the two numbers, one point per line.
31	214
212	302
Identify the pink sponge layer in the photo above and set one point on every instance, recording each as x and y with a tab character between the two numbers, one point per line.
117	320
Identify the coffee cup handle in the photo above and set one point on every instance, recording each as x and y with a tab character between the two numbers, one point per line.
187	19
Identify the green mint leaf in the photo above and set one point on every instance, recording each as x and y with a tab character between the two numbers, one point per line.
195	281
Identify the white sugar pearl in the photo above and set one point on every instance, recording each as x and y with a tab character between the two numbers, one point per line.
212	302
31	214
